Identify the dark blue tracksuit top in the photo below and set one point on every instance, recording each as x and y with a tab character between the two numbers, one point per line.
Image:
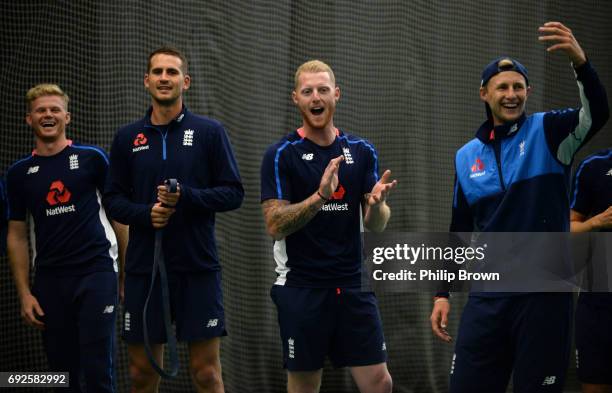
196	151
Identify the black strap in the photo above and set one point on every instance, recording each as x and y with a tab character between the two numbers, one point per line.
159	264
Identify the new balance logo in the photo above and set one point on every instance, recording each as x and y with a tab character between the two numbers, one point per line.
307	156
549	380
212	323
607	174
291	348
32	169
73	161
188	138
108	309
126	321
347	155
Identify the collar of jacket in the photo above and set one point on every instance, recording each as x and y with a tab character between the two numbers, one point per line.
179	118
487	133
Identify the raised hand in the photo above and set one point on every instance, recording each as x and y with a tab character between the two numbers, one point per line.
381	189
560	37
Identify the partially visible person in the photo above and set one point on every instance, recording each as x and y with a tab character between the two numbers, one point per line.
74	295
591	210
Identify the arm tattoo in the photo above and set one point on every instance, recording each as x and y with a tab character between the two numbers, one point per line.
283	219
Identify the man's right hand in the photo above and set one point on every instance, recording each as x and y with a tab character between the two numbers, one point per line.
30	309
439	319
329	180
160	215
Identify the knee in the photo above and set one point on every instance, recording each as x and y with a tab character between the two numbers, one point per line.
382	382
144	378
385	384
206	375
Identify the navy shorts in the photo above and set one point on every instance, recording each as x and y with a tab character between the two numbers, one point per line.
594	338
196	306
343	324
79	334
527	336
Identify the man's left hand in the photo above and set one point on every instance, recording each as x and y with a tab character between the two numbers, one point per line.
381	189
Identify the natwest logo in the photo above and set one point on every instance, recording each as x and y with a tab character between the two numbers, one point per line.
478	169
333	206
339	193
140	143
140	140
478	166
58	193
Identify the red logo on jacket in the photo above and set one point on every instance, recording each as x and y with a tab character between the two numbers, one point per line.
140	140
58	193
478	165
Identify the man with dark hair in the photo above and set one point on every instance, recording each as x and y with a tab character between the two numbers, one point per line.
170	142
514	177
591	210
318	184
74	295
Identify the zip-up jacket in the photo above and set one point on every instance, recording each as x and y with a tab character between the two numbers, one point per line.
196	151
515	177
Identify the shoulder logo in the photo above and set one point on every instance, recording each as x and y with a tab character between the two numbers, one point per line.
32	169
348	159
609	173
477	169
307	156
73	161
108	309
550	380
140	143
188	138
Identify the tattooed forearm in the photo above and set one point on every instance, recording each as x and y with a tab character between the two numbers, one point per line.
283	219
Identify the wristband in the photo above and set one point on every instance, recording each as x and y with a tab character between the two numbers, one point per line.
436	300
322	197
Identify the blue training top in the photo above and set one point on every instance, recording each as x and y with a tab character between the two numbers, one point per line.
62	193
326	252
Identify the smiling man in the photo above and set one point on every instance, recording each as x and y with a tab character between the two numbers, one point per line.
317	185
170	142
514	177
74	295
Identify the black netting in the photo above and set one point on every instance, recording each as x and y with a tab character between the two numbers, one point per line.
409	74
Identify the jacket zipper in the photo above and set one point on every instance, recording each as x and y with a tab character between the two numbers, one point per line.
497	150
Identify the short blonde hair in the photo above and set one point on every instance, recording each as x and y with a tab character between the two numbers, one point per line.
314	66
45	89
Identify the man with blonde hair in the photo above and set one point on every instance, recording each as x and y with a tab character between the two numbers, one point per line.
317	185
74	295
